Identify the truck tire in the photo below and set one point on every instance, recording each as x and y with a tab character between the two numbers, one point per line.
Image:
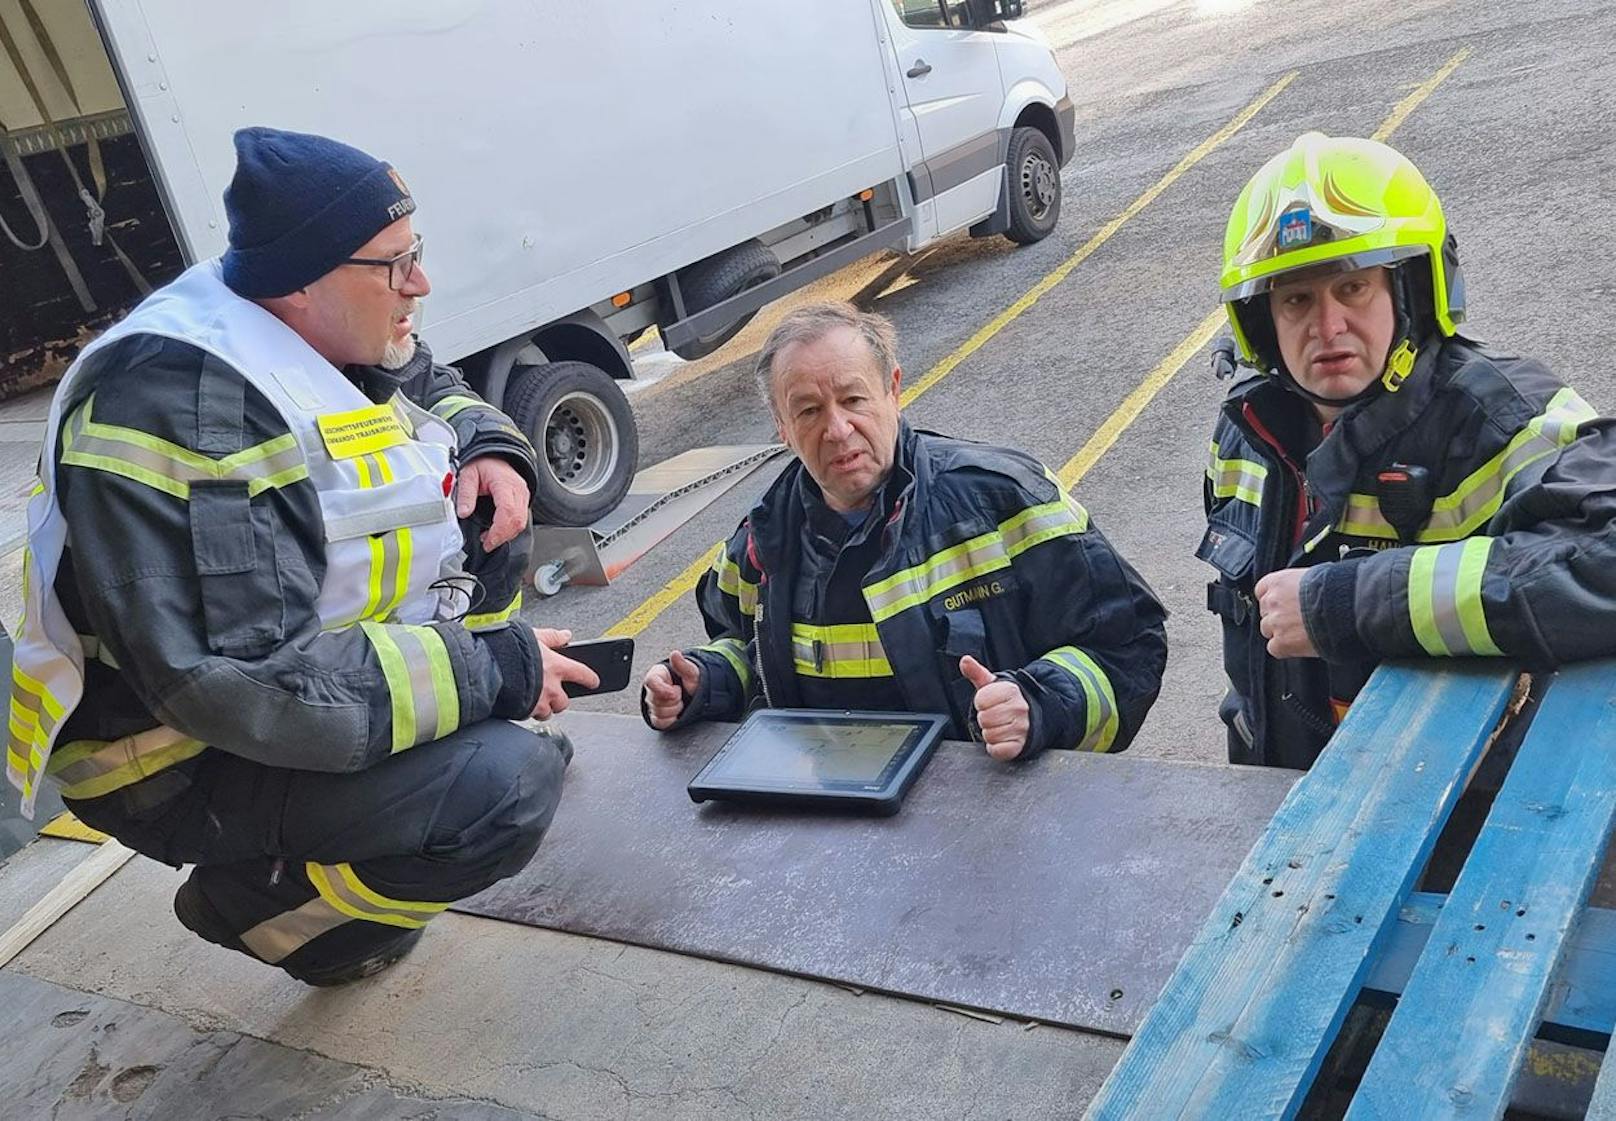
582	427
1032	176
715	280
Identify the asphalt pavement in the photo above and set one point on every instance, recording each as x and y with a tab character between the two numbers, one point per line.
1513	123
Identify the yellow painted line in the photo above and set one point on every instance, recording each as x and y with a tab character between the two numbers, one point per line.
1421	92
1134	404
998	323
646	613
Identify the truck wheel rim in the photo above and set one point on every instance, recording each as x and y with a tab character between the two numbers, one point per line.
580	443
1038	185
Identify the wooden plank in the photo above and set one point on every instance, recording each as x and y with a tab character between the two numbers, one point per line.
1582	1000
1457	1040
1249	1014
62	898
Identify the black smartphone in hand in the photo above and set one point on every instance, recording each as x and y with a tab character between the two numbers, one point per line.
610	658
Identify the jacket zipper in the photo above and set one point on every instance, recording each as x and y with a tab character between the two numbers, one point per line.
757	638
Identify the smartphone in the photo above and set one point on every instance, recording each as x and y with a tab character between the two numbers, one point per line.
610	658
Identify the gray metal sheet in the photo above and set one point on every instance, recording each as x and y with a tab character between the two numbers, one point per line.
1062	890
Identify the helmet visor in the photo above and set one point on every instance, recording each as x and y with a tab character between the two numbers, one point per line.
1351	262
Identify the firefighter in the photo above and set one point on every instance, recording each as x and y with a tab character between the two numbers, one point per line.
272	568
1380	485
893	569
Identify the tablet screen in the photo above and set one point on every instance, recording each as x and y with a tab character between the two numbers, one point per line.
779	751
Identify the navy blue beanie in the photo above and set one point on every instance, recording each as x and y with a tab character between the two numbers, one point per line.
299	205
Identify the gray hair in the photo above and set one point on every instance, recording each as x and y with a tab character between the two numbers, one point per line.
813	322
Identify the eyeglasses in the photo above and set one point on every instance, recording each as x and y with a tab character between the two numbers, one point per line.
399	269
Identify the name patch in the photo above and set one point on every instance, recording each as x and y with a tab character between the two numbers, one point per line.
361	431
973	594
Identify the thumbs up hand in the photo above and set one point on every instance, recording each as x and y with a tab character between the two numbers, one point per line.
666	693
1001	710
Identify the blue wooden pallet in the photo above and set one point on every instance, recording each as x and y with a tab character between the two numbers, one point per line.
1324	906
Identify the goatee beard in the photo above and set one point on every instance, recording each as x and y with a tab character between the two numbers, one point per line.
398	353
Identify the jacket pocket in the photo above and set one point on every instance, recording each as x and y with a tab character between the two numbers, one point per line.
243	610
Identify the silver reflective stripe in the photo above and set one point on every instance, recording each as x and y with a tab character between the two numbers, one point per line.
276	938
372	522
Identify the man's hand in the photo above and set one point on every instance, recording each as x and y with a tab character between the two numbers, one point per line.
1279	602
1001	710
558	669
491	475
665	697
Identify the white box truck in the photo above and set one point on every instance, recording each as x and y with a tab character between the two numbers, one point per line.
587	171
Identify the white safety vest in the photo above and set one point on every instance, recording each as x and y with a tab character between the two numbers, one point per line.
384	475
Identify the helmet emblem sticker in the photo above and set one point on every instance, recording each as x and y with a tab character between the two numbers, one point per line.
1295	227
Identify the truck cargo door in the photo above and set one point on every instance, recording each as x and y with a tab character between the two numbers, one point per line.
954	92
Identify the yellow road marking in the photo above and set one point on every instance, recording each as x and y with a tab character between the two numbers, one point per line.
998	323
646	613
1421	92
1135	402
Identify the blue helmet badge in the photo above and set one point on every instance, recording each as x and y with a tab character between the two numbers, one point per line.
1295	228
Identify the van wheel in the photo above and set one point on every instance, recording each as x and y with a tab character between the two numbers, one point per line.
1033	179
715	280
582	427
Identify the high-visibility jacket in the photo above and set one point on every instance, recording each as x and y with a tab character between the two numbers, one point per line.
981	553
298	623
1514	555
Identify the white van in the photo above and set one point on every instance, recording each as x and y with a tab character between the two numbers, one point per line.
587	171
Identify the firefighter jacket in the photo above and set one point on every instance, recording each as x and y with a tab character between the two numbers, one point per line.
1511	552
233	547
979	553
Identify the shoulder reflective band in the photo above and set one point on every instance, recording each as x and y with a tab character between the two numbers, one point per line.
731	583
492	620
1100	720
1236	478
844	650
363	431
1444	598
1479	495
91	768
988	552
420	682
170	468
733	651
341	896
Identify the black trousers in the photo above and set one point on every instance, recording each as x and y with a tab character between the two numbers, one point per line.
315	871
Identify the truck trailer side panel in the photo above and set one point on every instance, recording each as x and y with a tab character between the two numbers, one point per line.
560	153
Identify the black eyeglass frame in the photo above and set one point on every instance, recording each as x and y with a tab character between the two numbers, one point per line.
410	258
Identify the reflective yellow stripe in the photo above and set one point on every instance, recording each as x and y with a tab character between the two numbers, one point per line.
985	553
492	619
1236	478
171	468
1445	598
1479	494
420	682
733	651
842	650
91	768
33	716
341	897
731	583
448	407
1100	717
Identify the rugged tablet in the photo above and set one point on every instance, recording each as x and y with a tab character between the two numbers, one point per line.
862	761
